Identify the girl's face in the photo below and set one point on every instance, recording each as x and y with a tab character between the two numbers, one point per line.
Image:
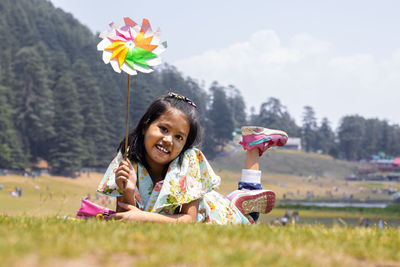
165	138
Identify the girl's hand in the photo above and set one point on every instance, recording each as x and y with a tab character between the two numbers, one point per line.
132	213
125	176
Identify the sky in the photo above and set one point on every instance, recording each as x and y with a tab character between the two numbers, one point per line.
339	57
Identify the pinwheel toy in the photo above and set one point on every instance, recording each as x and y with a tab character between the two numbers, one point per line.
131	48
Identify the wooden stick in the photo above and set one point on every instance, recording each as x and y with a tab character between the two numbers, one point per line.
127	119
127	124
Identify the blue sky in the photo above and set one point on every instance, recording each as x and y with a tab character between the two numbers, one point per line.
340	57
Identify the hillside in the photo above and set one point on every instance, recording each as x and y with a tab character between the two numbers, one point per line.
303	176
290	162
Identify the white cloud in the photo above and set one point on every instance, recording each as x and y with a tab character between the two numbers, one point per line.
305	71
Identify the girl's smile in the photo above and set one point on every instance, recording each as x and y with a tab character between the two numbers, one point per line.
164	139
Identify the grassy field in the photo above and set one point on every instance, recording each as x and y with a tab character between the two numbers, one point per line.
45	196
56	242
37	229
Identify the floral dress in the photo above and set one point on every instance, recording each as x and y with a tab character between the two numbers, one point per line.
194	179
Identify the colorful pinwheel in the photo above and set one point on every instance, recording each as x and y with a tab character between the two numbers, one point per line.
132	47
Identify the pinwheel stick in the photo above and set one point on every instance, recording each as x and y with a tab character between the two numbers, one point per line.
127	119
127	125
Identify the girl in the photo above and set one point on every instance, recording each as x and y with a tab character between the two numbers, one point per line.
167	180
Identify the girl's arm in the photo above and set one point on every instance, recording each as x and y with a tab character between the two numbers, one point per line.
188	214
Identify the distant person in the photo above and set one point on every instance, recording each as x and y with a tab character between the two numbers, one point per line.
296	216
276	221
287	214
167	180
380	224
19	191
12	193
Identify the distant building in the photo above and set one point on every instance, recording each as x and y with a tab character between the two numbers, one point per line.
41	168
293	143
378	168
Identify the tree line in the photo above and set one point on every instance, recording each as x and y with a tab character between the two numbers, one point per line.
60	103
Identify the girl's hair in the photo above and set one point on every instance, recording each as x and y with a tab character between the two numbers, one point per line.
136	151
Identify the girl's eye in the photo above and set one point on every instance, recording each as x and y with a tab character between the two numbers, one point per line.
179	137
164	129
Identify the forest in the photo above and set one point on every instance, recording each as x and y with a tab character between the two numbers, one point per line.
59	102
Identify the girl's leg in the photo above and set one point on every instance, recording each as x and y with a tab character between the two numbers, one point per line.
250	198
252	160
251	174
255	140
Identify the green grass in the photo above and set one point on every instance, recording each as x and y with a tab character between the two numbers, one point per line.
291	162
45	196
51	241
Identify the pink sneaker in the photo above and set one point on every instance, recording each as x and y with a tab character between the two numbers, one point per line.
248	201
262	138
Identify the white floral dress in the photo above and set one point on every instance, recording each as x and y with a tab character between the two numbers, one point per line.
195	179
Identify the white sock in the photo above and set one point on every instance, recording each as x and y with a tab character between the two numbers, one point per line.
251	176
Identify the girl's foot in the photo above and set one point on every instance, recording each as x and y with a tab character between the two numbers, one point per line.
248	201
262	138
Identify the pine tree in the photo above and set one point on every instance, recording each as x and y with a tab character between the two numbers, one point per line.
325	137
94	134
308	130
113	94
350	135
274	115
142	92
370	142
221	117
238	106
68	146
35	101
395	146
11	155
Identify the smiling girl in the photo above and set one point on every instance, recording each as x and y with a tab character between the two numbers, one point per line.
166	179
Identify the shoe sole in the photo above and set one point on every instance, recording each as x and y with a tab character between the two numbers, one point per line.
262	203
249	130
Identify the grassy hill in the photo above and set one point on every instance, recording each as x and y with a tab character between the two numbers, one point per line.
290	162
291	174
